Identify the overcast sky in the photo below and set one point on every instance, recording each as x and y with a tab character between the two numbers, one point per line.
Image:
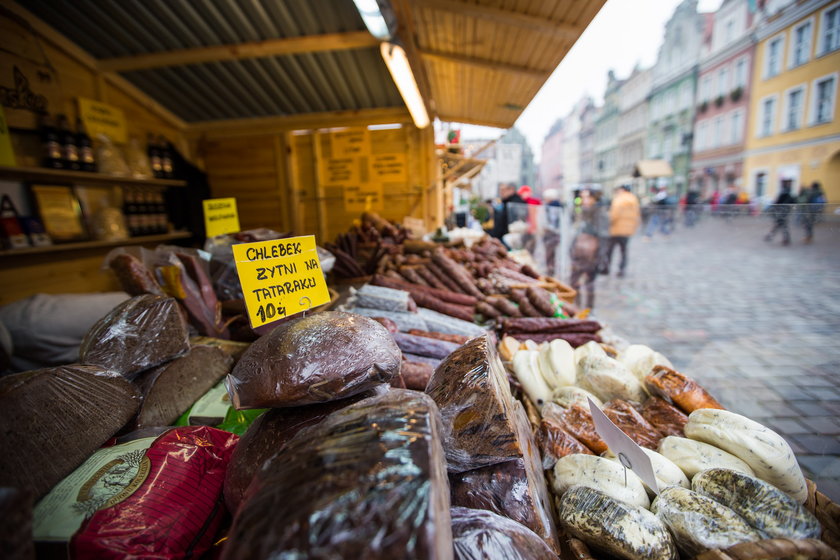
623	33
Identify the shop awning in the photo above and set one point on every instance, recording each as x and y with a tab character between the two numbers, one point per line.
650	168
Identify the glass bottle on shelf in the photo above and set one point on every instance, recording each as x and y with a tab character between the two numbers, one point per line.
69	151
85	147
130	211
165	158
50	142
154	156
160	210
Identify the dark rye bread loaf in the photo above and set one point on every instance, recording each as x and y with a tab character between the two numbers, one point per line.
140	333
270	432
319	358
472	391
515	489
479	534
54	418
170	389
367	482
16	529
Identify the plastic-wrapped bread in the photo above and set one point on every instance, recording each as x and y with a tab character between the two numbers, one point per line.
526	366
322	357
695	456
613	526
478	534
609	379
556	442
53	419
641	360
765	451
567	396
140	333
666	472
268	434
602	474
557	363
680	389
16	529
699	523
473	393
369	481
632	423
668	419
761	504
170	389
577	420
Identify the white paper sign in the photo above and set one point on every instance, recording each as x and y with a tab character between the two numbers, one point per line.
629	454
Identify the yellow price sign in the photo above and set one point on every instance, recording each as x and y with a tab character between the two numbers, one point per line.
280	277
101	118
220	216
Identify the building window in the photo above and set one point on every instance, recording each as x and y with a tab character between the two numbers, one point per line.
741	72
723	89
767	117
730	31
794	105
773	56
800	50
830	30
823	99
736	130
760	184
718	139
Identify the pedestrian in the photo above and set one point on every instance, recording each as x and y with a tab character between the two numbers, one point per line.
507	211
529	240
625	217
780	211
692	207
553	213
814	204
659	218
585	249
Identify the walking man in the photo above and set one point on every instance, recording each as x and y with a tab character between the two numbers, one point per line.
625	217
781	212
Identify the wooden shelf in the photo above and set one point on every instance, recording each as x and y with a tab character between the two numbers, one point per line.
81	245
80	177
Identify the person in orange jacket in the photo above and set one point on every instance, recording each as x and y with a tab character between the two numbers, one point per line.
625	218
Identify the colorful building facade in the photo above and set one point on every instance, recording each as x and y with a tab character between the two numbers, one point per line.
793	136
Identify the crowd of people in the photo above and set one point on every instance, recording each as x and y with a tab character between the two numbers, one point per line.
599	225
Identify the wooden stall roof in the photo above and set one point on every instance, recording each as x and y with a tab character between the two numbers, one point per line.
231	61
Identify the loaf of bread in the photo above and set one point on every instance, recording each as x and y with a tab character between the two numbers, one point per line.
601	474
609	379
632	423
479	534
577	420
53	419
695	456
556	442
567	396
680	389
665	471
140	333
765	451
319	358
641	360
668	419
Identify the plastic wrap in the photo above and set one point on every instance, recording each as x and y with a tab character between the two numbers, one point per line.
567	396
695	456
53	419
222	266
148	498
555	442
368	482
445	324
479	534
388	324
666	472
16	529
415	375
515	489
602	474
377	297
577	420
140	333
609	379
683	391
134	277
669	420
472	391
699	523
761	504
319	358
267	435
632	423
615	527
170	389
766	452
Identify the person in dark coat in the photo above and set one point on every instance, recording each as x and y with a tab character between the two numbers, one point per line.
506	212
780	210
813	207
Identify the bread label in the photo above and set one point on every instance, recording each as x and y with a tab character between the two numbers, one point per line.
220	216
280	277
629	454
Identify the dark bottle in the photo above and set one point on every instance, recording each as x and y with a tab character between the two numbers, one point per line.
85	147
69	152
50	142
130	211
165	157
154	156
160	211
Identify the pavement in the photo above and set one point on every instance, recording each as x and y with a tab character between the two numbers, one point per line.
756	323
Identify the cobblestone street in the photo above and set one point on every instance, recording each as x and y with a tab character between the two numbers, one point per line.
756	323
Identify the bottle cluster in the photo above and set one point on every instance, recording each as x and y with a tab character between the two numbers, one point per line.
145	211
63	148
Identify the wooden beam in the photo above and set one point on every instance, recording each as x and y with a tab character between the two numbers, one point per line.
484	64
303	121
321	207
477	121
504	17
255	49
